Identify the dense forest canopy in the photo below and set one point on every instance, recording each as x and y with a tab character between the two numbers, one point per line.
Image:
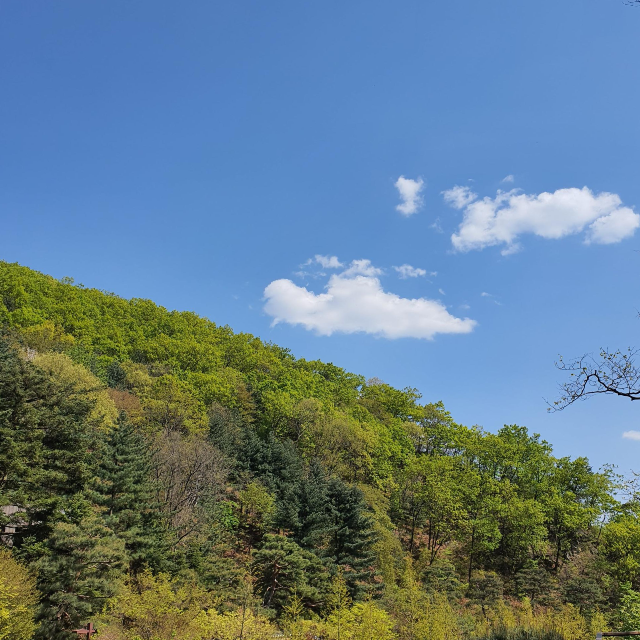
163	476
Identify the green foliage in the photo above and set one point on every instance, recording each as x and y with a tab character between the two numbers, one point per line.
18	599
283	569
123	489
83	566
485	589
45	439
627	617
139	441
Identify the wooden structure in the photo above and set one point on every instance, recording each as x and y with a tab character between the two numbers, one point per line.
86	631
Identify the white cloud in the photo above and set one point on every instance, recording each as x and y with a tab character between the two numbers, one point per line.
631	435
503	219
484	294
362	268
355	302
508	178
409	191
459	197
326	262
441	292
407	271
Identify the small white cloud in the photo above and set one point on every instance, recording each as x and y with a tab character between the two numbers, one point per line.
355	302
409	191
362	268
407	271
508	178
328	262
484	294
436	226
503	219
459	197
516	247
441	292
631	435
465	307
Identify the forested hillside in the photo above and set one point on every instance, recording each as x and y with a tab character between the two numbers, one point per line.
164	477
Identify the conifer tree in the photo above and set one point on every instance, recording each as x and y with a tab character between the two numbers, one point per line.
282	568
83	566
352	537
313	517
123	489
44	445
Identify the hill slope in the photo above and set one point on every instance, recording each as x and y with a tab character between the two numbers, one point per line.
187	456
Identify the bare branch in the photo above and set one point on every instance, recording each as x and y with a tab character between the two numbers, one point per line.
614	372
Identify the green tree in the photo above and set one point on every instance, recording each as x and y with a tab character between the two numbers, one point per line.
353	535
283	569
429	501
123	489
18	599
45	441
485	589
83	567
338	603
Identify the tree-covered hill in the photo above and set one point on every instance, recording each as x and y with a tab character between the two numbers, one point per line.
160	475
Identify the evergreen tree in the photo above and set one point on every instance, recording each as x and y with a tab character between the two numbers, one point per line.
284	569
353	535
123	489
279	467
313	517
83	566
44	446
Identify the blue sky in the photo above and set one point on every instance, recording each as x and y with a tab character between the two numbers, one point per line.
199	153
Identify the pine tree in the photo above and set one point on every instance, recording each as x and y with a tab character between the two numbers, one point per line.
279	467
84	566
352	537
44	445
332	522
123	489
283	568
313	517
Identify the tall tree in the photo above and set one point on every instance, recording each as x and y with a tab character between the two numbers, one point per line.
352	537
284	569
83	566
44	446
123	489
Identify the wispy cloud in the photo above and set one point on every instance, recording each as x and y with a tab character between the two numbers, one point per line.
459	197
491	297
326	262
631	435
407	271
503	219
354	301
409	191
508	178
